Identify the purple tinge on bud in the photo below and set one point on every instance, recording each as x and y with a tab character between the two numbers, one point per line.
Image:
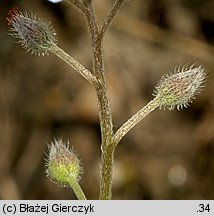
178	89
35	35
62	164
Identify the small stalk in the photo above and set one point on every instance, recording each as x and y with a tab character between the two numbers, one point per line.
136	118
77	189
74	64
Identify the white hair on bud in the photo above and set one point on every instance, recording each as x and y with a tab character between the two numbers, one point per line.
176	90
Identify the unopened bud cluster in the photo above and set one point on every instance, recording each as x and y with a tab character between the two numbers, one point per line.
34	34
62	164
178	89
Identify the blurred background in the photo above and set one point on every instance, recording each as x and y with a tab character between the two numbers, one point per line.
169	155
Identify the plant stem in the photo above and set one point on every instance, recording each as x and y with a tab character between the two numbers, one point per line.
136	118
105	116
107	160
109	18
106	133
103	105
74	64
77	189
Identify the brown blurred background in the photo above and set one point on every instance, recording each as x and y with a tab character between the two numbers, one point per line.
169	155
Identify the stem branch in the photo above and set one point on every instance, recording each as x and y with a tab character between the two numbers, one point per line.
136	118
109	18
74	64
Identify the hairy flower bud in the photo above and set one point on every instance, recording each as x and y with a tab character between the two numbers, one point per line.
62	164
178	89
34	34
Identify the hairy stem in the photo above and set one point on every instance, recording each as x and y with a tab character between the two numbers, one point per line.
103	105
107	135
77	189
136	118
107	161
105	116
91	22
74	64
109	18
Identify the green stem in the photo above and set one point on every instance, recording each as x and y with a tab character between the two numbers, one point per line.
107	161
106	128
77	189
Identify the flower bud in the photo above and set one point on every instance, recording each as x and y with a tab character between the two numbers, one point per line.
35	35
62	164
178	89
